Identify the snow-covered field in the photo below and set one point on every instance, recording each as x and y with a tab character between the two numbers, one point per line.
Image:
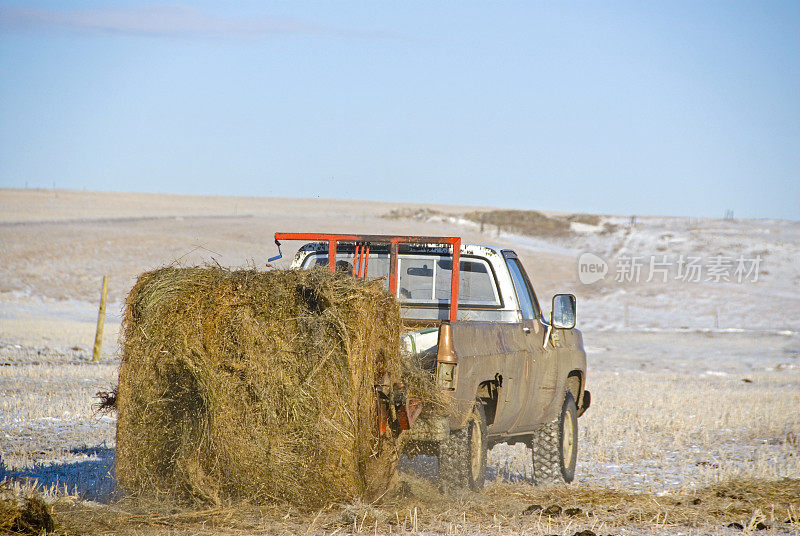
694	367
665	274
671	414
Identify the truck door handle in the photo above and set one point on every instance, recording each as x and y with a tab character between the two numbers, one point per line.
526	329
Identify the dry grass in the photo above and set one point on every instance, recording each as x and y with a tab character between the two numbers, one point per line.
673	432
23	510
46	413
416	507
648	432
51	390
533	223
423	213
694	429
652	438
525	222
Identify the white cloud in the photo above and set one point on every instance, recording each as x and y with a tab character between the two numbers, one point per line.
165	21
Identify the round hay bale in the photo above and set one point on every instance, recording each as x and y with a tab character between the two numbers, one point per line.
258	386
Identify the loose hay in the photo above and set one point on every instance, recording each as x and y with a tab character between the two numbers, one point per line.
501	509
107	401
28	514
256	386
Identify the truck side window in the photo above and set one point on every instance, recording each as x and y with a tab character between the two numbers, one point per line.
527	300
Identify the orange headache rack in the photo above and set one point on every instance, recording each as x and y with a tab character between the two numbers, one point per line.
361	255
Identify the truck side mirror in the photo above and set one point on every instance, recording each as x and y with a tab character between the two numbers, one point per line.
563	315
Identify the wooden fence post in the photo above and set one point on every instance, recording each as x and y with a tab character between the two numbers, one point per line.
101	319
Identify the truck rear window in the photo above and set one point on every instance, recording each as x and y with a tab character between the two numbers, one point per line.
425	279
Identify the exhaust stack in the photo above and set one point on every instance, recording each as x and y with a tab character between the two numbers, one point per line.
446	358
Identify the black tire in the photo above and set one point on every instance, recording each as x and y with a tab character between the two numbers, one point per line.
462	456
555	447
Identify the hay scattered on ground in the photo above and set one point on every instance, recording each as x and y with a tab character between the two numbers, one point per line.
27	514
255	386
738	500
417	506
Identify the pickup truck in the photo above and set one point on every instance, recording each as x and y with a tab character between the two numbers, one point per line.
514	374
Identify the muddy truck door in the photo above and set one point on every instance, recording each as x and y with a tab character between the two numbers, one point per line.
541	366
514	381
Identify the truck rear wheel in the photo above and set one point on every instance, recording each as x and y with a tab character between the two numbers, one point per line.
462	456
555	447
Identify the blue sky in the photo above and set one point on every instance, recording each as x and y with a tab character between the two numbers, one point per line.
675	108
